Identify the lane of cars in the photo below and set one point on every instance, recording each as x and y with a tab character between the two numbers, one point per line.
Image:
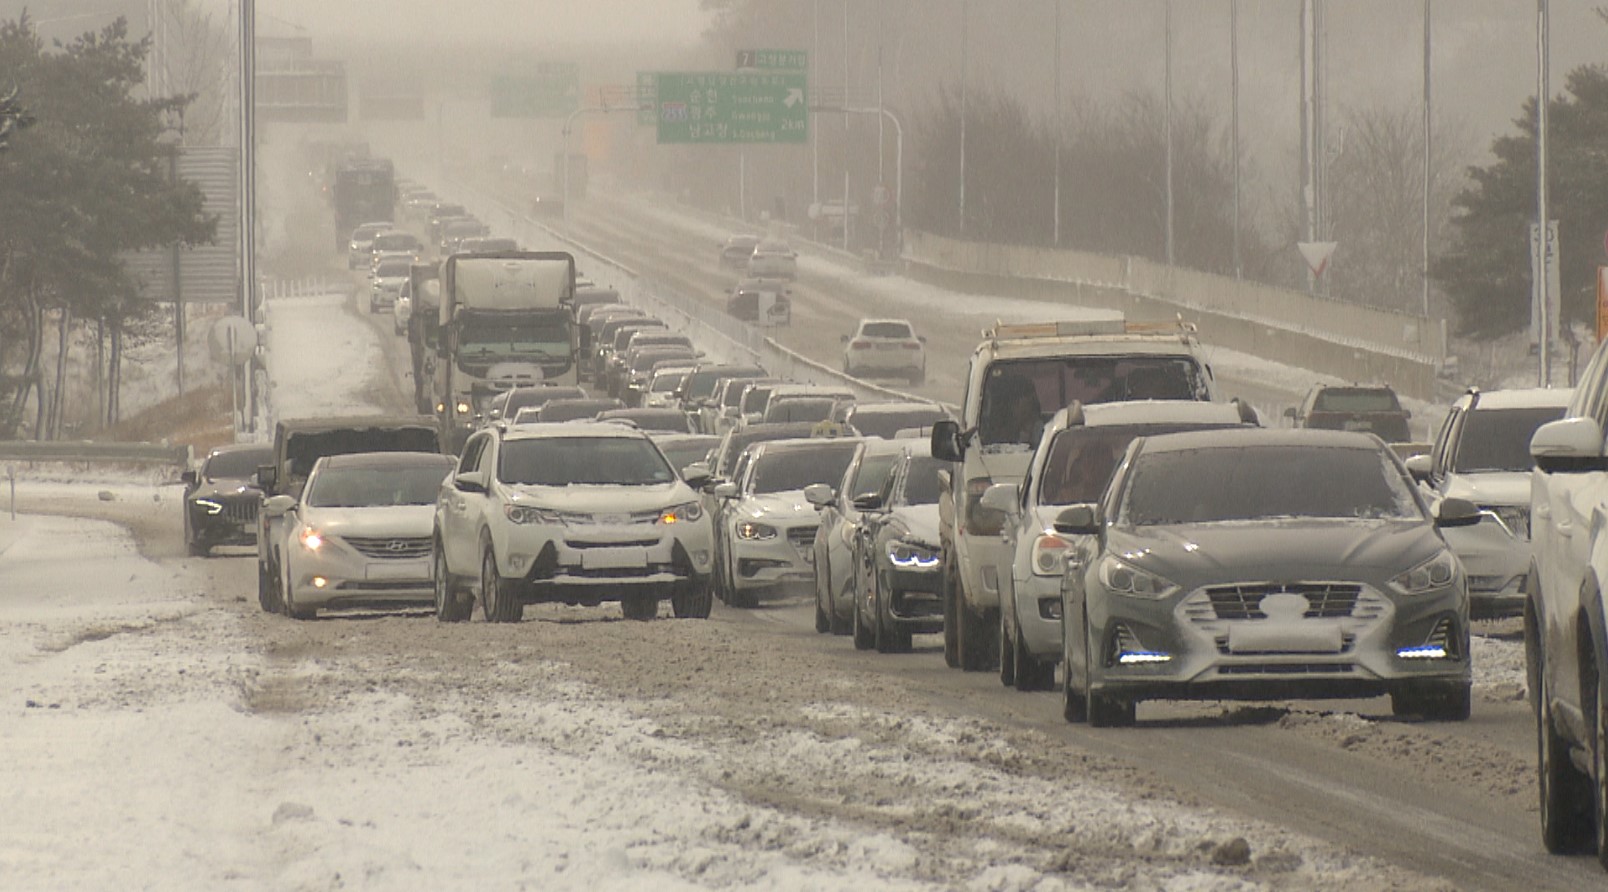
1096	506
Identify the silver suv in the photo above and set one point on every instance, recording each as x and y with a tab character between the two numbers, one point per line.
574	513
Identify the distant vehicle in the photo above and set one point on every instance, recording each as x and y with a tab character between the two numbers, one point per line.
816	403
455	231
360	245
1482	454
554	411
660	392
221	498
718	417
773	260
387	281
639	364
838	507
696	393
397	242
573	514
736	250
897	556
485	243
682	450
762	302
1375	410
670	421
402	310
506	405
765	529
439	214
359	534
1263	565
363	191
885	348
886	420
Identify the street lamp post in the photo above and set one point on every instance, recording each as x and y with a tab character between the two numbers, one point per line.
1543	93
1166	117
1234	109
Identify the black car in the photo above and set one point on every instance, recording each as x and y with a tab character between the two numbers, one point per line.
220	499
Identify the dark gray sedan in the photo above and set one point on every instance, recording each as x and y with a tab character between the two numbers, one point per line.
1262	565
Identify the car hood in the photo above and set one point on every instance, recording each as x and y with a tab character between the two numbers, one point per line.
920	523
1492	488
580	498
1283	550
414	521
224	488
787	505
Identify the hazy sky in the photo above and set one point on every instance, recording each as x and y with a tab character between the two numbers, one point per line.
539	22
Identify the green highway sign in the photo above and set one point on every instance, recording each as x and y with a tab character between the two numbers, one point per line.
553	91
647	95
727	107
774	60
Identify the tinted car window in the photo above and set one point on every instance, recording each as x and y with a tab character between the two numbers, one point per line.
886	330
561	461
809	409
1020	395
1499	439
921	481
885	424
391	269
798	468
682	454
1249	483
702	382
1356	400
376	487
236	464
1082	459
871	475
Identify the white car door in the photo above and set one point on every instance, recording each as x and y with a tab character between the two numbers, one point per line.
459	511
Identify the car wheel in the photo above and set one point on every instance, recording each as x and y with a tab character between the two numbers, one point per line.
864	638
1450	703
267	589
639	607
1032	674
979	640
499	599
951	599
694	602
823	584
287	599
1599	761
1566	800
736	597
449	602
1109	712
1007	650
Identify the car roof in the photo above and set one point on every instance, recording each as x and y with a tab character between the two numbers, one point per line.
818	390
880	446
889	319
572	429
232	448
300	425
1150	412
895	406
671	438
1520	398
386	460
1238	438
800	444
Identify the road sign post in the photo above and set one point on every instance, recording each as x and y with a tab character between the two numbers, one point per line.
726	107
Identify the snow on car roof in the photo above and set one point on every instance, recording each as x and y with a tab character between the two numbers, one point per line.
1238	438
1525	398
1160	411
571	429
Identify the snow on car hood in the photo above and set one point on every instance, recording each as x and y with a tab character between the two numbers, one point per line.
403	521
920	523
786	505
584	498
1277	550
1491	488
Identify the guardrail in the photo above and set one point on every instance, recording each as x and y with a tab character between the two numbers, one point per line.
88	451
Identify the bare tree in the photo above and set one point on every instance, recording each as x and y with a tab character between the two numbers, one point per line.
197	59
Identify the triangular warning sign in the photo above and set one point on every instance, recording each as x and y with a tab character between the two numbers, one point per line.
1317	255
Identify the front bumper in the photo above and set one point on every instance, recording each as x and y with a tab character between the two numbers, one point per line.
1194	647
1038	615
590	563
339	575
785	562
234	524
915	599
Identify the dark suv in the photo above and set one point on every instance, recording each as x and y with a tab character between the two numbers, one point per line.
221	498
1374	410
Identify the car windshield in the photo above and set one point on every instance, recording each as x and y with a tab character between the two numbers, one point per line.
921	481
702	383
489	338
603	461
885	330
885	424
376	487
574	410
1265	482
395	242
538	396
238	464
650	358
1020	395
794	469
1081	460
1351	399
1499	439
804	409
871	475
668	383
392	269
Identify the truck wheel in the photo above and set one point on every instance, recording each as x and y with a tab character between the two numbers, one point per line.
639	607
979	640
1566	800
1598	703
499	598
451	606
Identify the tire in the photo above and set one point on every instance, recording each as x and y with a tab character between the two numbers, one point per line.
1566	799
1599	762
1031	673
695	601
450	605
499	598
267	590
197	549
1074	706
889	636
823	577
639	607
951	599
1007	650
287	600
979	641
864	638
1451	703
1108	712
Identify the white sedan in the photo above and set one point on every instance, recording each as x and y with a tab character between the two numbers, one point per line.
886	348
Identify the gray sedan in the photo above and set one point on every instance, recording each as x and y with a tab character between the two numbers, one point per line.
1261	565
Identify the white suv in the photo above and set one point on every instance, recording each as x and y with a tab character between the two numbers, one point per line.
573	513
886	348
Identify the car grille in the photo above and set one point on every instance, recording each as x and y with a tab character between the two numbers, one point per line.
241	510
391	547
1325	600
1516	517
1286	668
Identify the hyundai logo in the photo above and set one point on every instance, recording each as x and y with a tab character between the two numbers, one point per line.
396	545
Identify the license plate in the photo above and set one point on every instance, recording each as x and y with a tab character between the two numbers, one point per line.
1263	636
613	558
399	570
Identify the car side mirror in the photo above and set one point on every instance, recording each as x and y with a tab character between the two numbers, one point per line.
921	338
1457	513
1419	466
1002	497
820	495
724	490
189	478
869	501
278	506
1291	413
1568	446
1077	520
946	442
469	482
267	476
695	478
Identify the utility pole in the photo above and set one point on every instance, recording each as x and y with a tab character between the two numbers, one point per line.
1543	95
1428	126
815	136
1055	121
964	9
846	146
1234	110
1166	117
248	191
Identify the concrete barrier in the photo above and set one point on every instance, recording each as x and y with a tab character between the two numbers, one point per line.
85	451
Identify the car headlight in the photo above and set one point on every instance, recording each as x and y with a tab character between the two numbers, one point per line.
212	508
687	513
750	531
463	407
524	514
1049	555
1437	572
311	539
1122	578
913	556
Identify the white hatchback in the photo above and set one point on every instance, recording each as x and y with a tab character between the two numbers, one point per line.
886	348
